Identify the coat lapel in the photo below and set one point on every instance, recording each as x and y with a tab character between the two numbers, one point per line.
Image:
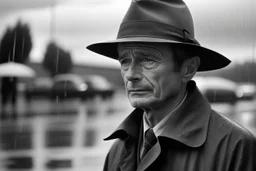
150	157
128	161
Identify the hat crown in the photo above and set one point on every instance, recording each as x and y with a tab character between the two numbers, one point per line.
171	12
160	21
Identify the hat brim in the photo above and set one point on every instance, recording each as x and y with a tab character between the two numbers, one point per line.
209	59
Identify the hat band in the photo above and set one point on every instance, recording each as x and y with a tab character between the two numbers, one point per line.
154	30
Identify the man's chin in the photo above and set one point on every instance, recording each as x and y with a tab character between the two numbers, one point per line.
140	103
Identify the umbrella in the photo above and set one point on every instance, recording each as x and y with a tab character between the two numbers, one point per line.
13	69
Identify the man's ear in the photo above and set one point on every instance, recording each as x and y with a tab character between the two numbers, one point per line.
189	68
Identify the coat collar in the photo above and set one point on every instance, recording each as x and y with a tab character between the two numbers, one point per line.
189	125
130	127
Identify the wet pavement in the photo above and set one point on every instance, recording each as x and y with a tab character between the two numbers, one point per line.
68	135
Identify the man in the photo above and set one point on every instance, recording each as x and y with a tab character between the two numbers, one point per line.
173	126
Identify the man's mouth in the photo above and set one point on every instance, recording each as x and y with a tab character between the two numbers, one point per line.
138	91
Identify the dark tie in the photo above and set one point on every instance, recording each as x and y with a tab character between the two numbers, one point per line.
150	141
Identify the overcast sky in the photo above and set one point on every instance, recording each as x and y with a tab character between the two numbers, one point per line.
227	26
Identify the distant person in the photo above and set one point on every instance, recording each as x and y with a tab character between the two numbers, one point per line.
173	127
9	93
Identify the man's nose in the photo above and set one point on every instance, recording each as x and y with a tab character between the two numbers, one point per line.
133	73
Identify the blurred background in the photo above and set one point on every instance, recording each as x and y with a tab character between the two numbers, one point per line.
59	100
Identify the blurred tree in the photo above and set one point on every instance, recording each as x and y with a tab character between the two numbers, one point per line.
245	72
56	60
16	44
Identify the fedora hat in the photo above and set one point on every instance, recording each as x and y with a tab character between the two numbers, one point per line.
160	21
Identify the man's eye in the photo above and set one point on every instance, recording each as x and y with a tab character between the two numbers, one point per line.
124	63
149	63
148	60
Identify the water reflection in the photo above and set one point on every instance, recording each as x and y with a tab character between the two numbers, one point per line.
15	137
67	134
21	162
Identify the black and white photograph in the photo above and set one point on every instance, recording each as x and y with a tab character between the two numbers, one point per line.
127	85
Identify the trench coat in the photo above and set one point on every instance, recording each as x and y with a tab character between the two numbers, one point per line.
196	138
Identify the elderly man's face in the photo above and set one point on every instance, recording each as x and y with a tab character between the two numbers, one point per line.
149	73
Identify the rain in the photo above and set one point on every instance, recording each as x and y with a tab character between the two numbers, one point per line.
60	101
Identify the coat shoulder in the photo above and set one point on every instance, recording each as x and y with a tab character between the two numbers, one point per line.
226	127
238	143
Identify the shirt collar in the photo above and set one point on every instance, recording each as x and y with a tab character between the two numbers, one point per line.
188	125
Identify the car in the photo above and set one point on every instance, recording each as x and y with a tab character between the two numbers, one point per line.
68	86
220	92
246	91
76	86
39	88
99	85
